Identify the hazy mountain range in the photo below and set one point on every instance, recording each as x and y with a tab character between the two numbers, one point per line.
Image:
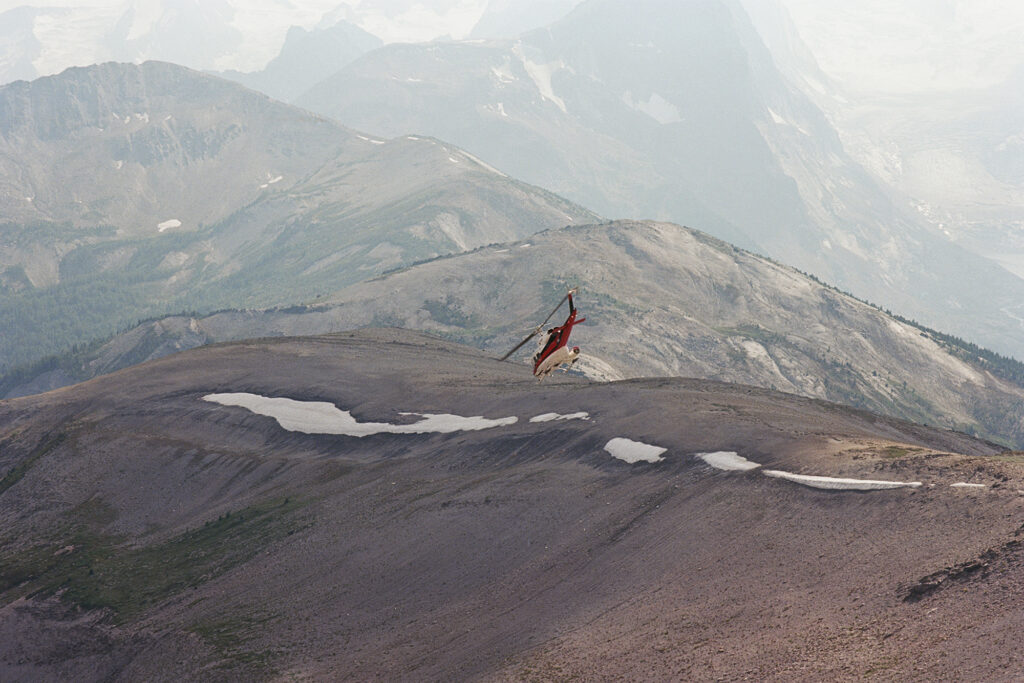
307	58
677	111
937	117
131	191
945	170
661	300
42	38
138	191
383	503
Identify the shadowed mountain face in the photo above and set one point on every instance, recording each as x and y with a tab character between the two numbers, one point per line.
132	191
660	300
307	57
130	147
676	111
951	143
154	526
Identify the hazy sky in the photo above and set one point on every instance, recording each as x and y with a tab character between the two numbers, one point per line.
899	45
75	37
872	46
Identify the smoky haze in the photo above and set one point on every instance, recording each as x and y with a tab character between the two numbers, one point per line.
876	145
873	46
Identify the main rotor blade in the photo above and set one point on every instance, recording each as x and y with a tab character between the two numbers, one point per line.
520	344
541	326
555	309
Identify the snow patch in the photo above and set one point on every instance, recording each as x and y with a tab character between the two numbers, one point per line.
504	72
452	228
371	140
776	118
318	417
597	369
656	106
550	417
167	225
965	485
729	461
541	74
483	164
119	164
841	484
498	109
756	352
634	451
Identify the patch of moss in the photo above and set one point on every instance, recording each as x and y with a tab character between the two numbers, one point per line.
98	571
94	513
449	312
755	333
229	637
1009	456
16	473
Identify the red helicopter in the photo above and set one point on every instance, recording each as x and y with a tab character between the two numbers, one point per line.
553	350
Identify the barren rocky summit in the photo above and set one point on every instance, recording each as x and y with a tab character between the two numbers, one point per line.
383	505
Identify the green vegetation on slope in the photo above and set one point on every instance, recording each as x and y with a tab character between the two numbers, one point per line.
16	473
98	571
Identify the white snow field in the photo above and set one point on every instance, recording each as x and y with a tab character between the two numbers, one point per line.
550	417
318	417
167	225
634	451
728	461
840	484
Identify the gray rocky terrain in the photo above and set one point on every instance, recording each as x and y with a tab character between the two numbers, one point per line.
154	528
677	111
131	191
660	300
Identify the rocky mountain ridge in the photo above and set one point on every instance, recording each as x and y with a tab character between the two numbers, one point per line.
677	111
133	191
661	300
295	507
306	58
